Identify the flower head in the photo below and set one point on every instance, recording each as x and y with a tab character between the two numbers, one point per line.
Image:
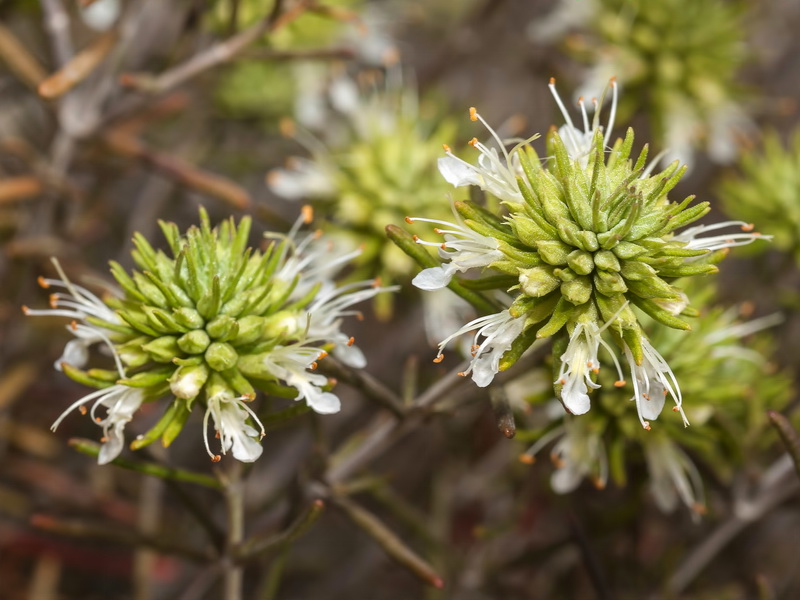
211	324
589	243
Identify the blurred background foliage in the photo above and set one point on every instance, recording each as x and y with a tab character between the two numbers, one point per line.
116	113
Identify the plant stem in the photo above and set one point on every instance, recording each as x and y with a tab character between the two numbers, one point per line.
234	503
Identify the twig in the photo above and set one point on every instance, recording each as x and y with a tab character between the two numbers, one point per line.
778	485
343	53
215	535
103	531
256	546
93	449
148	521
77	68
788	435
21	62
599	580
56	22
366	384
385	537
233	573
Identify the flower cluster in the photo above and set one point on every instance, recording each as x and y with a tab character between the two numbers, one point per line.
725	350
767	190
372	162
677	61
209	326
590	236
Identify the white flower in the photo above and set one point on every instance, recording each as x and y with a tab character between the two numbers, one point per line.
302	178
121	402
578	453
464	248
290	363
81	305
579	143
692	240
325	315
493	174
578	363
230	422
652	380
673	476
499	332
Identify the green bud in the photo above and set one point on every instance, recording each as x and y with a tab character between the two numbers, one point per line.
222	328
221	356
163	349
581	262
577	291
606	261
251	329
194	342
280	325
538	281
187	381
553	252
609	283
188	317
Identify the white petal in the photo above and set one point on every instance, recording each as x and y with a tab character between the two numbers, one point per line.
434	278
324	403
76	354
112	447
566	479
352	356
456	172
576	400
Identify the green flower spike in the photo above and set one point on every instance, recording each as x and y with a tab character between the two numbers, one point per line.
589	237
210	325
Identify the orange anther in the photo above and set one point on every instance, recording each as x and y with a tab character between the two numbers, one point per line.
473	142
216	458
323	354
53	300
527	459
552	81
473	113
409	220
308	213
748	227
462	374
619	383
415	238
351	341
25	310
286	127
74	325
42	282
439	358
313	366
82	409
446	148
676	408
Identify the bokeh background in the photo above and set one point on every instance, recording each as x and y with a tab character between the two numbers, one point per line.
167	106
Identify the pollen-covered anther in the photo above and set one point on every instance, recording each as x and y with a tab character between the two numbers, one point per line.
82	409
103	439
439	358
376	283
437	230
443	245
446	148
462	374
676	409
248	397
42	282
216	458
558	463
699	509
562	381
473	113
351	341
527	459
308	214
53	300
415	238
216	435
473	142
647	426
73	325
620	383
598	483
313	366
409	220
748	227
25	310
98	420
323	354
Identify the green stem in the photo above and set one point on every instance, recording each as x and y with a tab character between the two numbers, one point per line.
234	503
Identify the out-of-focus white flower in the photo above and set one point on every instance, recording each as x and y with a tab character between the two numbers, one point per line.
102	14
673	476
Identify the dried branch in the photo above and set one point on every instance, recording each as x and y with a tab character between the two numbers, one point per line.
77	68
21	62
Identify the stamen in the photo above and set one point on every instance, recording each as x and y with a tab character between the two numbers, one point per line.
25	310
439	358
409	220
527	459
308	214
351	341
473	142
42	282
446	148
216	458
473	113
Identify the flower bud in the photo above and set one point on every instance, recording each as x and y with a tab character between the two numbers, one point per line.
187	381
222	328
221	356
188	317
162	349
538	281
194	342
